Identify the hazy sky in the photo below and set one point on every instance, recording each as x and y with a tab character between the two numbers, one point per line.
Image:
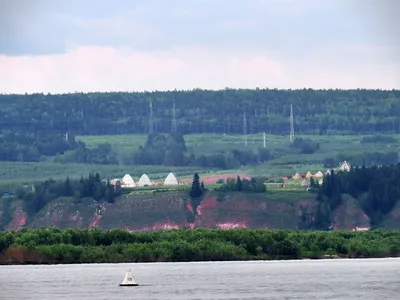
131	45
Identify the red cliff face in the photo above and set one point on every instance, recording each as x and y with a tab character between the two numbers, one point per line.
174	210
18	219
349	215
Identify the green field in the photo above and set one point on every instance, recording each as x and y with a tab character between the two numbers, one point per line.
288	161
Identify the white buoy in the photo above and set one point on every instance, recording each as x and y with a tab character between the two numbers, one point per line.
128	279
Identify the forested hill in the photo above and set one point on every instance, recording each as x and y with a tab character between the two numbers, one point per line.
201	111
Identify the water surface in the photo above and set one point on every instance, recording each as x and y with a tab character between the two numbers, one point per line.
304	279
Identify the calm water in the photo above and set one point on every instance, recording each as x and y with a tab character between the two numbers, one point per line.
324	279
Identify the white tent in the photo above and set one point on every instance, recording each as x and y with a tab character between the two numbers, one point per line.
144	180
171	180
127	181
297	176
345	166
319	174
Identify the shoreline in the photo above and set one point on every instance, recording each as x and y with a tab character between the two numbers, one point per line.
322	257
76	246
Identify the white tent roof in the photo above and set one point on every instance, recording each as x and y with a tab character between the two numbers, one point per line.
296	176
170	180
345	166
128	181
319	174
144	180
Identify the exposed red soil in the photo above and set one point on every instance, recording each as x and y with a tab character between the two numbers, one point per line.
18	220
212	179
349	215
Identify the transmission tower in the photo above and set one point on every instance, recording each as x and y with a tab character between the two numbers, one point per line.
245	128
173	127
151	118
264	140
291	124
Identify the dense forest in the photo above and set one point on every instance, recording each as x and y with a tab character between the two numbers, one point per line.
52	245
41	146
202	111
39	194
376	188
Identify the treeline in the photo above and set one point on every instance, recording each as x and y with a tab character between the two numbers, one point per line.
42	146
375	158
38	195
202	111
376	188
52	245
25	146
306	146
254	184
170	150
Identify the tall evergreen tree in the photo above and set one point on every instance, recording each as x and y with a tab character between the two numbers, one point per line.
239	183
196	190
312	182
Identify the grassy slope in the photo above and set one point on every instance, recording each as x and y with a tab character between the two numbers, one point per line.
17	172
289	163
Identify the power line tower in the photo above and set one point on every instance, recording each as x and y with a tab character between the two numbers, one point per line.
245	128
173	126
151	118
264	140
291	123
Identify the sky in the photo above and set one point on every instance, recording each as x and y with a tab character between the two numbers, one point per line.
57	46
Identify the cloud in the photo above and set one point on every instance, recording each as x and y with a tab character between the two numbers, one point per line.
53	26
93	68
58	46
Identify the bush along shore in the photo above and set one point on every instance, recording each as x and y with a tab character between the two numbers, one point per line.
53	245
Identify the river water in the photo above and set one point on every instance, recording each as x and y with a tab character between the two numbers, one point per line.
302	279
